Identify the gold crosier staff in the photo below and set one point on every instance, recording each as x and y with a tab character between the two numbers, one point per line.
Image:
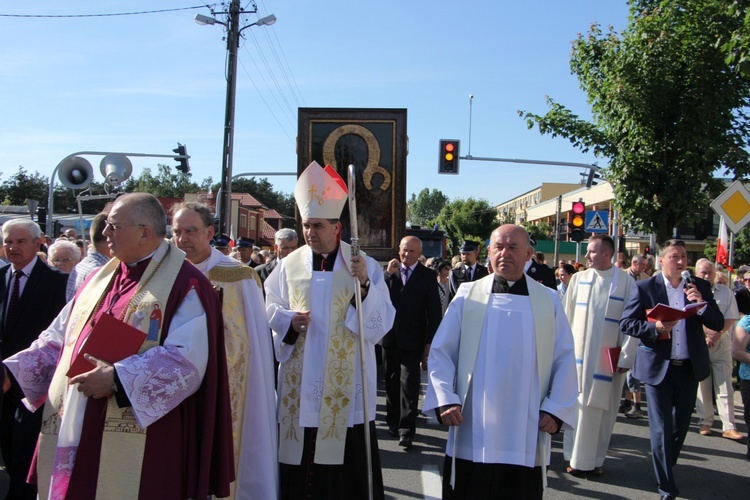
362	347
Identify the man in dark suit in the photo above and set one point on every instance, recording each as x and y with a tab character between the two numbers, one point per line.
672	355
284	243
469	269
24	315
540	272
414	294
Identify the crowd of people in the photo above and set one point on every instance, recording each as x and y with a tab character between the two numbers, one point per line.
180	365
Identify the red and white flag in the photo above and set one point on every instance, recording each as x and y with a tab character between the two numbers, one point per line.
231	236
722	246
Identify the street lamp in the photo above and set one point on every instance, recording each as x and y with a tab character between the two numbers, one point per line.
232	26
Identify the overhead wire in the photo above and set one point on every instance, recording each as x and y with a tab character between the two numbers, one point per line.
114	14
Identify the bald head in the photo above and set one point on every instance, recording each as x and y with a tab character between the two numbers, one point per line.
410	250
510	249
136	227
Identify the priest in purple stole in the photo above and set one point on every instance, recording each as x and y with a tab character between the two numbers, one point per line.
155	423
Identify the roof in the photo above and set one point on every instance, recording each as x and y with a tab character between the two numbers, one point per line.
245	199
269	232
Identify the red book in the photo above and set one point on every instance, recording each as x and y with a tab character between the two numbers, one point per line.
613	357
111	340
664	312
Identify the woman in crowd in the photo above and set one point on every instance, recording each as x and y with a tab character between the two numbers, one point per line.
565	272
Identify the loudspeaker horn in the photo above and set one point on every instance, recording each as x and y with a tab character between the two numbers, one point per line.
116	168
75	172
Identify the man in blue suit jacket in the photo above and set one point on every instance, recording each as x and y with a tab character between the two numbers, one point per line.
672	356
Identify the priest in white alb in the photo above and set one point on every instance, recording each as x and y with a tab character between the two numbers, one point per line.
594	303
502	376
247	342
311	310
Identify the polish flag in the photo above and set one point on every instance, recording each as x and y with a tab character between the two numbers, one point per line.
722	245
231	236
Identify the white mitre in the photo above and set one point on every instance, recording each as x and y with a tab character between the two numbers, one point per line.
320	193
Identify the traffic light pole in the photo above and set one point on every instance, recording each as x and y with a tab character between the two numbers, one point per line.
590	166
557	230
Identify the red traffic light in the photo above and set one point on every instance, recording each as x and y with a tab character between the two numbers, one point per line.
449	156
578	208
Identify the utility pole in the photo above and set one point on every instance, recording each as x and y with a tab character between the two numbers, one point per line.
233	43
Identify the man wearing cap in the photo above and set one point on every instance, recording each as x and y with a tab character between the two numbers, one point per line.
469	269
249	352
245	247
221	243
284	243
311	310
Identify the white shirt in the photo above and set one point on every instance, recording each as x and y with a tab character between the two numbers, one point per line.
676	298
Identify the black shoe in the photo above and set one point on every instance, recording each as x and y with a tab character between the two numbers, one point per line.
393	430
405	442
625	406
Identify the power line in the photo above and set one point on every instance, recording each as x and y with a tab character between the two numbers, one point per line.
56	16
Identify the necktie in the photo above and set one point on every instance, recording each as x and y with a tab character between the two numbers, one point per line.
15	295
471	274
405	274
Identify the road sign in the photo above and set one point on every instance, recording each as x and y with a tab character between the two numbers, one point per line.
734	205
597	221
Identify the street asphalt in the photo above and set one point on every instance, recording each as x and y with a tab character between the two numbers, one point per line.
710	467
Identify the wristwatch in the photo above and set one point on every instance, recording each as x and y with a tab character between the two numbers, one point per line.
366	284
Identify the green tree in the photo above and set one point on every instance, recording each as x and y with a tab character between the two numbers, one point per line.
736	45
423	209
22	185
164	184
472	219
539	231
668	112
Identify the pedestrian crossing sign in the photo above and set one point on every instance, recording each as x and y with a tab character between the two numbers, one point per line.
597	221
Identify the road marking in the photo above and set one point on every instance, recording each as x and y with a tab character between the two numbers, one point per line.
432	484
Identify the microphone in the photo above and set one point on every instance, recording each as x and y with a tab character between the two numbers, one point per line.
688	280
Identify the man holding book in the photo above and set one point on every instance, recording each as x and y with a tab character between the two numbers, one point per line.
150	424
594	303
672	355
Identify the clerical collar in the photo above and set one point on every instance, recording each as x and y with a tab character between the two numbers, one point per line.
501	285
324	262
141	261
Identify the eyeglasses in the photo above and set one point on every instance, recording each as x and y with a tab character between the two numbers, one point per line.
117	227
673	243
61	261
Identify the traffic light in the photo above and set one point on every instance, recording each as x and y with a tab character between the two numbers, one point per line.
448	160
182	159
647	250
592	178
577	221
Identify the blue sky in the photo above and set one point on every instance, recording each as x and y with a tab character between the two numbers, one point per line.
143	83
